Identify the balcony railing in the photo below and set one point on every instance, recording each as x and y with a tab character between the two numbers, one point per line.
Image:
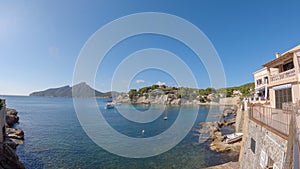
284	123
276	120
287	75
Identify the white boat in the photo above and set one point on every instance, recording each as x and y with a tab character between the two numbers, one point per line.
230	138
166	118
109	105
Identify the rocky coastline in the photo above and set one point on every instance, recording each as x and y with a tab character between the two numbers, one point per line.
13	138
227	118
166	99
213	129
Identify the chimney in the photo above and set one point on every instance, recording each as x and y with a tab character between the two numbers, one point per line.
277	55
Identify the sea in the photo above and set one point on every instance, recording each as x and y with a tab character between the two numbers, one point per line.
54	138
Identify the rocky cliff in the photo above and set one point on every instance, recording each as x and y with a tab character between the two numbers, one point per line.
167	99
13	138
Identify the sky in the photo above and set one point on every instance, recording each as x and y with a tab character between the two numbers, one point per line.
40	41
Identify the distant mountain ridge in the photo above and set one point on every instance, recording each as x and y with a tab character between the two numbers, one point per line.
79	90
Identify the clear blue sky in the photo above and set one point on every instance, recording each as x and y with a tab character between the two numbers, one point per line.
40	40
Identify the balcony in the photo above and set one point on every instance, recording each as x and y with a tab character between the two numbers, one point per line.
283	77
276	120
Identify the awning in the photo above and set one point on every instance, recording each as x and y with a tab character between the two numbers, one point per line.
285	86
260	88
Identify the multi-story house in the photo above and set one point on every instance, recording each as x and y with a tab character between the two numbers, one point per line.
283	73
272	132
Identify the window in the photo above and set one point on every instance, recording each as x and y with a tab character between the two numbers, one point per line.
283	96
259	82
288	66
252	146
266	80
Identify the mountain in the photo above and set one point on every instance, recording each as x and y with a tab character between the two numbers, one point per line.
79	90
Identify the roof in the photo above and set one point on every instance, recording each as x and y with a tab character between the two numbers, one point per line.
283	57
260	70
292	50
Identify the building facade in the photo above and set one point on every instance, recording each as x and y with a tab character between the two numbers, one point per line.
283	75
271	129
261	81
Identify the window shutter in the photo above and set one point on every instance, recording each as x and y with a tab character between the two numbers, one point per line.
263	159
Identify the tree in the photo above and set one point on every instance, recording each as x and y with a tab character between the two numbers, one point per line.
246	88
155	86
132	93
143	90
210	90
202	92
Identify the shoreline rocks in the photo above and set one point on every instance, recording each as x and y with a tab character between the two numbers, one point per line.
13	138
216	136
11	117
171	99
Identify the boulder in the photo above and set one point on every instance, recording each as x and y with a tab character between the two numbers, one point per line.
11	112
11	117
17	132
10	159
176	102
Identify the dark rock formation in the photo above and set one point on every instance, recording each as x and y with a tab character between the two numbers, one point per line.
14	137
11	117
15	133
9	159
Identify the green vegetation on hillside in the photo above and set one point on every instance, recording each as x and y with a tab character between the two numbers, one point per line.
203	95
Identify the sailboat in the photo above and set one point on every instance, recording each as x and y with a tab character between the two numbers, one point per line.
166	116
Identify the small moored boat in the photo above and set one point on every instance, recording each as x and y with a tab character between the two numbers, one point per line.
230	138
109	105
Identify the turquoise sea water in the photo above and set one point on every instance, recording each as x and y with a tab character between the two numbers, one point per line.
55	139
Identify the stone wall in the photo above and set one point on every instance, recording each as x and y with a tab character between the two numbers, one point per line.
239	120
266	148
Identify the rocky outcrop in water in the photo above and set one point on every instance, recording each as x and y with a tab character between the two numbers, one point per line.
9	159
13	138
11	117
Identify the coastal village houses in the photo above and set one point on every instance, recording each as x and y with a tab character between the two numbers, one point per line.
272	139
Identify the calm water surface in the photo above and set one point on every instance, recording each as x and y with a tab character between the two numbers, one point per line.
55	139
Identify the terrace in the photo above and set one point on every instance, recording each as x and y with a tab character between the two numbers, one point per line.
284	123
283	77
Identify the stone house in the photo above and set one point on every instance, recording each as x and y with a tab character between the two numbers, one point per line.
272	135
283	73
